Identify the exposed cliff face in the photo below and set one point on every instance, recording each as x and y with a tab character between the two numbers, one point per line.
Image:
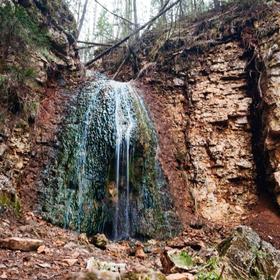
222	170
206	121
37	54
269	82
212	89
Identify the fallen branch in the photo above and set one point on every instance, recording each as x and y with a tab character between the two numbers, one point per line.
121	65
95	44
89	63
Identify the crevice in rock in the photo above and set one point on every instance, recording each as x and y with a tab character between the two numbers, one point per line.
254	70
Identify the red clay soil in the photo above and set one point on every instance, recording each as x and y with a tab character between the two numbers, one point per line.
265	220
43	137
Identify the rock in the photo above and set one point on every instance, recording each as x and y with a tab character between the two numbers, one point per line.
245	250
180	276
108	270
4	275
139	250
70	262
41	249
19	165
100	241
111	276
180	259
178	82
22	244
83	239
44	265
3	149
94	265
142	276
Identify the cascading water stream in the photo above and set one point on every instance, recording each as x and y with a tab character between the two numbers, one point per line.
125	123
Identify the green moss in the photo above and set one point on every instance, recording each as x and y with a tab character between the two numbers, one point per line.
10	201
19	29
183	259
211	270
82	191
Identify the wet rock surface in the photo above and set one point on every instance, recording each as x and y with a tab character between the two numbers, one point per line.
81	190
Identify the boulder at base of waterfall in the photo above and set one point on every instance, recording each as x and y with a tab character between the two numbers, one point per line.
94	265
106	275
244	253
100	241
102	270
180	276
22	244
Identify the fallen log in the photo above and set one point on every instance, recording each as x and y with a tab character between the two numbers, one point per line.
21	244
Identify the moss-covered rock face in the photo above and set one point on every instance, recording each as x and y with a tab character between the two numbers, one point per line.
106	177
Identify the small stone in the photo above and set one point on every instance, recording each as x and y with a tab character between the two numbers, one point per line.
139	251
70	262
21	244
3	149
100	241
4	275
178	82
180	276
83	239
44	265
41	249
19	164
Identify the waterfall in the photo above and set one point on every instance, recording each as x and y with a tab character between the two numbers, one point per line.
125	123
106	177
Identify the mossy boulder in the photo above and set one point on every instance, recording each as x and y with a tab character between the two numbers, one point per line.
248	257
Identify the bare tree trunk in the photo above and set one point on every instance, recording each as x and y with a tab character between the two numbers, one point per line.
135	14
81	22
217	4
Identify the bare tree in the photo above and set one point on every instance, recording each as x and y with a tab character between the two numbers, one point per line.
217	4
135	14
81	22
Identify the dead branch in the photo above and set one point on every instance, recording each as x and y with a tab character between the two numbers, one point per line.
118	16
95	44
90	63
120	67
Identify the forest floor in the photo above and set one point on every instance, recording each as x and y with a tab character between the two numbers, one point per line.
65	252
